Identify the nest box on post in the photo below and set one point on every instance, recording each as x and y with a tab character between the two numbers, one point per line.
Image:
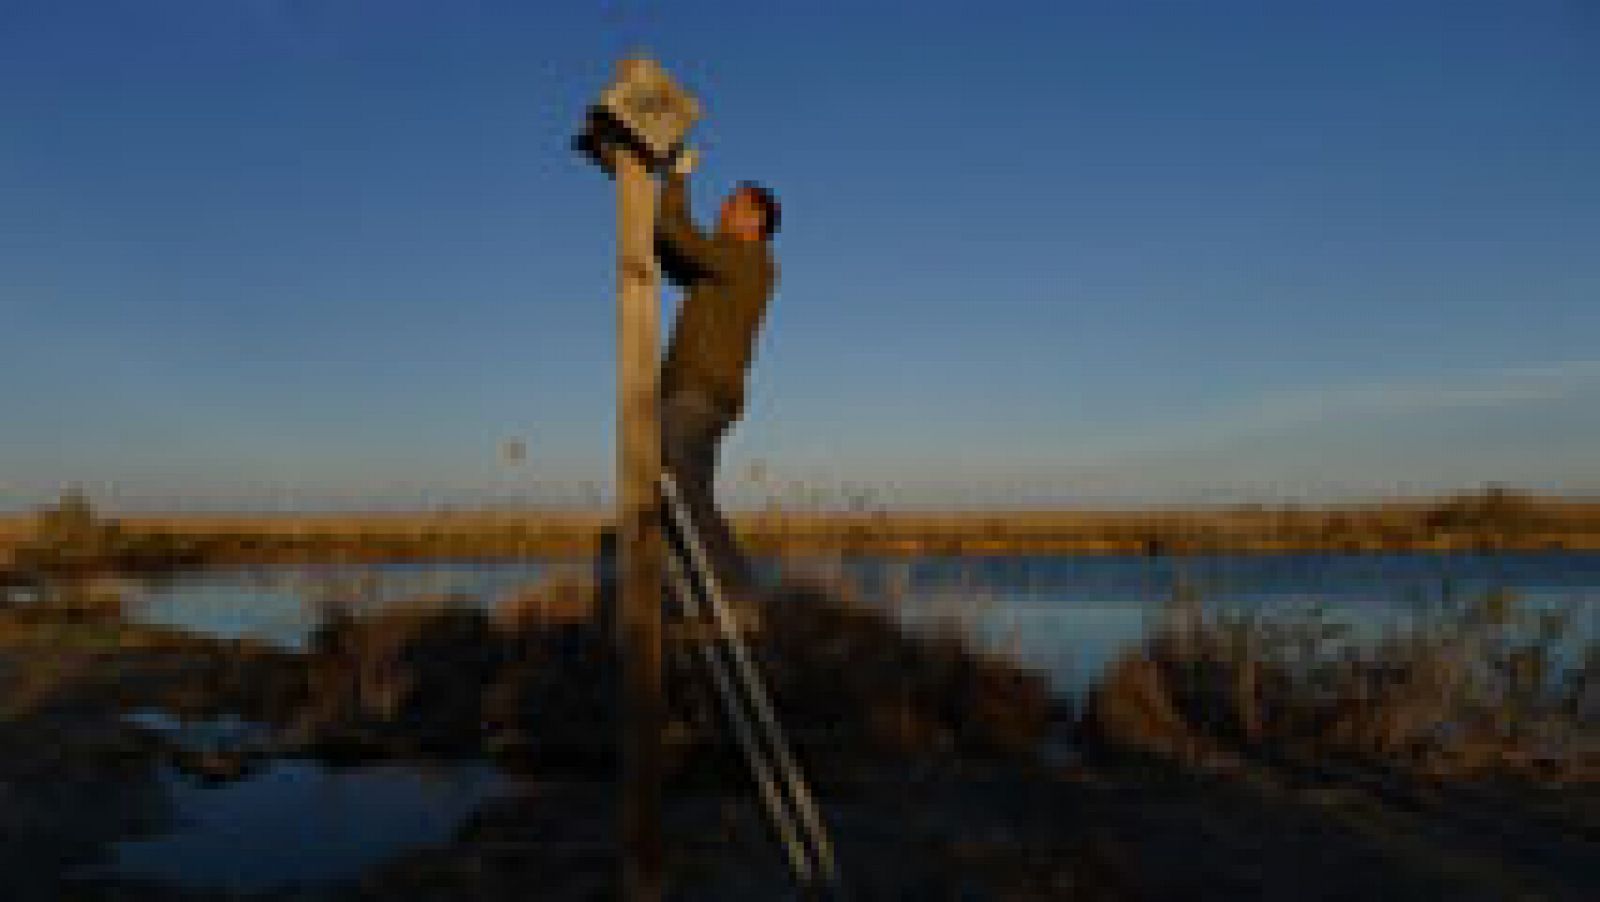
643	110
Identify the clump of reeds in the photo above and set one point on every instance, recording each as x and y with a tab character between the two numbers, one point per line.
71	538
532	681
848	670
1485	686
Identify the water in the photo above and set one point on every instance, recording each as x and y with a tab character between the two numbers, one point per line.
301	822
1066	616
225	733
1071	617
282	605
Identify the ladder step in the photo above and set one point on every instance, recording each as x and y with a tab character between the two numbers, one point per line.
691	635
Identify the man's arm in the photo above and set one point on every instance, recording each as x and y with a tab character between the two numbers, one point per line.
676	232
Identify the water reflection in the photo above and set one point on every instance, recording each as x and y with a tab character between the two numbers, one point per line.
300	822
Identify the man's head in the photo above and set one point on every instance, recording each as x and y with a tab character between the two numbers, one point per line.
750	213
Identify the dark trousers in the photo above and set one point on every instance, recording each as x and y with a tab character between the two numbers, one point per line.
692	427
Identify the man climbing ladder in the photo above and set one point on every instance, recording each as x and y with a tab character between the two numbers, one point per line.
728	278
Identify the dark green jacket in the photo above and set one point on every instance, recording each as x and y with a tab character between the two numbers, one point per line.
727	283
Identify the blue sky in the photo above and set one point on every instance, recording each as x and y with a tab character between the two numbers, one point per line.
267	253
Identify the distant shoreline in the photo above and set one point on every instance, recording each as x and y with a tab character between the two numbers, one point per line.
1485	522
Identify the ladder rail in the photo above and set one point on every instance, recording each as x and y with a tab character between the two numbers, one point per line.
750	678
745	734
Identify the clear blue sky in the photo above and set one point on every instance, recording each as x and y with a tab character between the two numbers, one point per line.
335	252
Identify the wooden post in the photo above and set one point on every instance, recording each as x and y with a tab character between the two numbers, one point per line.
639	121
639	529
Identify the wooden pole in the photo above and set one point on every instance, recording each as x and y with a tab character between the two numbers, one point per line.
639	546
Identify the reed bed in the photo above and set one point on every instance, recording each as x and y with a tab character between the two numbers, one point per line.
1494	685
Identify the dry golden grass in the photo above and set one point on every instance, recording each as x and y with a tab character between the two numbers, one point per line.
1492	520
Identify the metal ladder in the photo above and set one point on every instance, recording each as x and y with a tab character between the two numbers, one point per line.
779	780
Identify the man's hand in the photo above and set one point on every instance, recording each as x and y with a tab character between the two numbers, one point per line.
685	161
